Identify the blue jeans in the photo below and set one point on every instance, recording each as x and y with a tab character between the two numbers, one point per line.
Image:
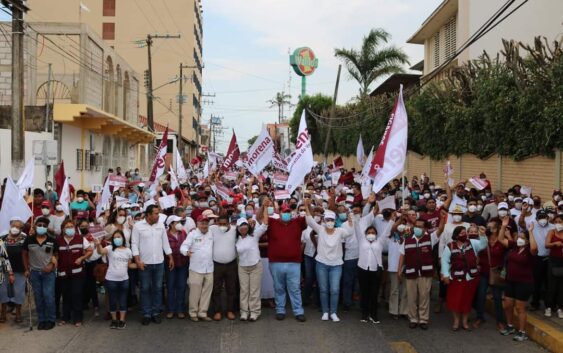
176	289
349	274
481	298
328	278
310	277
44	293
287	275
151	289
117	294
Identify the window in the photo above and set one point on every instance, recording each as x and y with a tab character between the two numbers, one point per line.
109	7
79	159
450	46
108	31
437	49
88	160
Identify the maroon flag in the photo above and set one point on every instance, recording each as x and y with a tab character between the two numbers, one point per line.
60	178
233	154
158	164
379	158
338	163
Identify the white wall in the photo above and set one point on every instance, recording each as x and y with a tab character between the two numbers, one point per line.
536	17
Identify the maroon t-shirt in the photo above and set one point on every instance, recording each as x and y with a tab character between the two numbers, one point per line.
432	218
284	240
497	258
519	264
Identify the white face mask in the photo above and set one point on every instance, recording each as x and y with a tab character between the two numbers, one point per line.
371	237
472	208
518	205
79	199
502	213
426	195
302	213
401	228
45	211
559	227
223	228
179	227
330	224
101	220
318	219
120	219
483	197
542	222
520	242
14	231
457	218
479	208
255	200
510	198
59	208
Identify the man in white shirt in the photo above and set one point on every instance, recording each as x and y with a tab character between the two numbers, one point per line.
225	267
199	247
148	243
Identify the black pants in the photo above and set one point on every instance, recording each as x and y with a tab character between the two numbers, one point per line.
369	289
90	289
226	274
554	298
72	289
540	280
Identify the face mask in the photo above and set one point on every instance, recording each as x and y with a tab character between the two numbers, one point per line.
457	218
49	187
502	213
462	238
14	231
371	237
542	222
329	224
41	230
249	213
203	204
256	200
401	228
472	208
101	220
418	232
79	199
510	198
120	219
520	242
45	211
270	210
215	208
302	213
559	227
223	229
83	231
518	205
242	215
59	208
488	194
479	208
286	217
426	195
483	197
178	227
342	216
69	232
134	213
118	241
318	219
551	216
431	187
557	197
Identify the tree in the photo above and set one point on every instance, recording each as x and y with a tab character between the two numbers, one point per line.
252	140
318	104
280	100
372	61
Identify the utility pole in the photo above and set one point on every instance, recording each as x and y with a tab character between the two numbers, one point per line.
48	103
18	119
180	103
215	127
332	111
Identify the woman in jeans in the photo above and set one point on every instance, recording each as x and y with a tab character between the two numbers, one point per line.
117	279
554	243
491	259
329	259
13	245
177	278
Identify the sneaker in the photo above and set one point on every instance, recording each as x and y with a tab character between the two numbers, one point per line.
145	321
41	325
364	319
280	317
121	325
300	318
49	325
374	321
423	326
205	318
520	336
547	312
194	318
325	317
413	324
113	324
334	317
156	319
253	318
508	330
560	313
243	317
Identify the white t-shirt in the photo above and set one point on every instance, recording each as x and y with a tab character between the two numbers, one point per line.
118	261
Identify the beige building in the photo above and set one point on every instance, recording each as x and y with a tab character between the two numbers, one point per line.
121	23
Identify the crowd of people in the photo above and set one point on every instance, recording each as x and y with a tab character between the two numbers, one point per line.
329	244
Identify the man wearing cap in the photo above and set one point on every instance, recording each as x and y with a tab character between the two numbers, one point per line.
39	254
225	266
285	257
148	243
198	246
491	209
517	210
503	212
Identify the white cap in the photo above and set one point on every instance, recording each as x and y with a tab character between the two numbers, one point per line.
329	214
529	201
241	221
560	203
503	205
15	218
141	185
255	188
209	214
171	219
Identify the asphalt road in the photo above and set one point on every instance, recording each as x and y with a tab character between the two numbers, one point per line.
265	336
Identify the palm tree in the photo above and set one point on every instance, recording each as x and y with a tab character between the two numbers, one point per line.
280	100
372	61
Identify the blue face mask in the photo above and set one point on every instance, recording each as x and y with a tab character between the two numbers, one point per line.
270	210
249	213
342	216
134	213
286	217
69	232
417	232
118	241
41	230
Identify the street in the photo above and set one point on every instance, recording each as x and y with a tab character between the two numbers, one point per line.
265	336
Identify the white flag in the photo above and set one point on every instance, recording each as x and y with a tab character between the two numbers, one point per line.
65	197
182	173
391	162
13	205
360	152
173	179
104	201
206	168
261	153
84	7
302	158
26	179
366	179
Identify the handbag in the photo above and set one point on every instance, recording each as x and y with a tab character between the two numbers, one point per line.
100	271
497	275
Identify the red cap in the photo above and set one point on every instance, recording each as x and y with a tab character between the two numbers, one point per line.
285	208
202	218
46	203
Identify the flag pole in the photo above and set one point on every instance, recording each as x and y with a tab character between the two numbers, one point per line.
403	194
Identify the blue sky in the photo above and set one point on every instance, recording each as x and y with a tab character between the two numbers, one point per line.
246	47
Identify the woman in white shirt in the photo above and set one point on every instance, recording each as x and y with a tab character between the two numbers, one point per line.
329	259
250	267
117	279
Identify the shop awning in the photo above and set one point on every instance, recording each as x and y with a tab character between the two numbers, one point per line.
88	117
